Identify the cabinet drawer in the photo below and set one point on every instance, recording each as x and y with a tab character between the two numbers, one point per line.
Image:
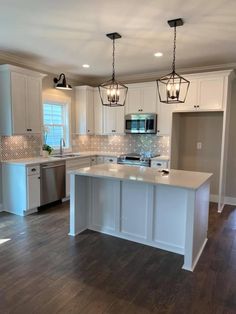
78	162
100	160
33	170
111	160
160	164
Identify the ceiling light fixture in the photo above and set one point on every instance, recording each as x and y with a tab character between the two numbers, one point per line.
158	54
60	83
86	66
112	92
173	88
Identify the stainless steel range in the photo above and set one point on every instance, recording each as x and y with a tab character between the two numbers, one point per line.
135	159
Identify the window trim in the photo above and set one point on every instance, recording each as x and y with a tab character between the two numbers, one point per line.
63	101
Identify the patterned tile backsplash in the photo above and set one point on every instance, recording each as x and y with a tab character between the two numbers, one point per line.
123	143
15	147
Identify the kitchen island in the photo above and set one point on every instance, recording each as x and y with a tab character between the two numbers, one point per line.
141	204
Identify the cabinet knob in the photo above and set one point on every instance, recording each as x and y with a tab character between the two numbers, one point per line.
113	130
158	131
111	160
197	106
38	177
88	131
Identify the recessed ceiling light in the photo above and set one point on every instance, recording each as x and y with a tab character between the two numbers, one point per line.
85	65
158	54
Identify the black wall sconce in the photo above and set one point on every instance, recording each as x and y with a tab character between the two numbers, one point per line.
60	83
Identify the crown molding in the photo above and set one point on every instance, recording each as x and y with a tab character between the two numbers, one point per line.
149	76
6	57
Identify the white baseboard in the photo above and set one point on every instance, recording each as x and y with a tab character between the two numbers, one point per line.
230	200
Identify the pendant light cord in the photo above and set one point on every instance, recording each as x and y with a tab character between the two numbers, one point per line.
174	50
113	60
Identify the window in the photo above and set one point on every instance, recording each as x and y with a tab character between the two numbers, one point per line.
56	123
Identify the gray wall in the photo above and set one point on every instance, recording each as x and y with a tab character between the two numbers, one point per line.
205	128
231	163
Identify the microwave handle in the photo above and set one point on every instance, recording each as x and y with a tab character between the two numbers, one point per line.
146	122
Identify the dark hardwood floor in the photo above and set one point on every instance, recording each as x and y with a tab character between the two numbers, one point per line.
43	270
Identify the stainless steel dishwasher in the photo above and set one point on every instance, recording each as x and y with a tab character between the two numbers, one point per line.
52	183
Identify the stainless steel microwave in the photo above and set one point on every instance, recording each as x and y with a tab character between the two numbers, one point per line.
144	123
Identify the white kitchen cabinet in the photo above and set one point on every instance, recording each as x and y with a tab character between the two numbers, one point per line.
84	110
21	188
20	101
110	160
159	164
73	164
98	113
113	120
141	98
206	92
100	160
33	187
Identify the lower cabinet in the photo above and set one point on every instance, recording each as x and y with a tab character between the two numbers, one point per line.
160	164
21	188
73	164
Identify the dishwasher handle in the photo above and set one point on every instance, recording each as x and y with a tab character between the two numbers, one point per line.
53	166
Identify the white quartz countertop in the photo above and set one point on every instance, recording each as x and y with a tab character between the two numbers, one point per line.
41	160
178	178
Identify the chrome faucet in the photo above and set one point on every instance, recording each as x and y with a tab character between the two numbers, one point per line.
62	144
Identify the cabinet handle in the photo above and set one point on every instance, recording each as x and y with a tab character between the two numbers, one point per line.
197	106
111	160
33	169
88	131
29	130
158	164
158	131
113	130
38	177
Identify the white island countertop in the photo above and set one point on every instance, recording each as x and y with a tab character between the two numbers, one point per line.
177	178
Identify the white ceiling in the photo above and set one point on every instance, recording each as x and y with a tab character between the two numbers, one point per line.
66	34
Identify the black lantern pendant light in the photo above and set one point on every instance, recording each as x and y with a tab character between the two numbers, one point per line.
173	88
60	83
112	92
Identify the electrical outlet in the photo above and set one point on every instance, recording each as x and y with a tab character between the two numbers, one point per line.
199	145
25	145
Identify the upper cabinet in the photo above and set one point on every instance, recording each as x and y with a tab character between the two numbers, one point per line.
113	119
20	101
84	110
141	98
98	113
207	92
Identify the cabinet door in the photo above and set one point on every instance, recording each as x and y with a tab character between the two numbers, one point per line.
192	97
98	116
73	165
164	118
33	191
133	102
211	92
90	112
34	105
109	118
149	99
120	120
18	94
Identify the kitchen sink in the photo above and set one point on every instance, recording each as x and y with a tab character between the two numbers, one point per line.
66	156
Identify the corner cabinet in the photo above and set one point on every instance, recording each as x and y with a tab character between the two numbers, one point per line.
20	101
84	110
207	92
